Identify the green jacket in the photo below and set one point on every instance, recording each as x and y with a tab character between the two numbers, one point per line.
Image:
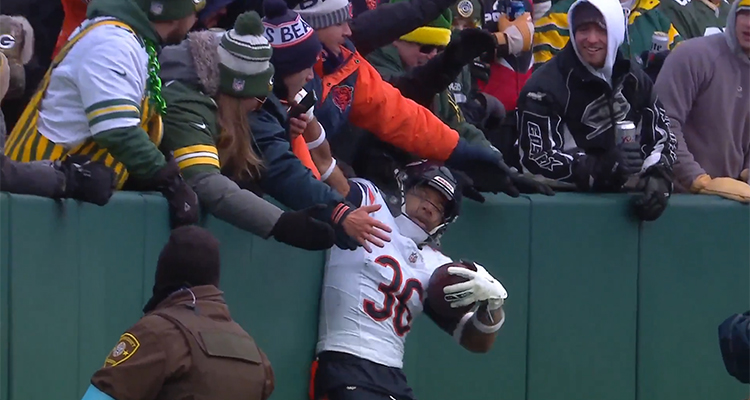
551	32
191	133
388	63
190	129
696	18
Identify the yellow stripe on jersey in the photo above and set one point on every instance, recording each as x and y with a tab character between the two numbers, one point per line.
552	38
112	109
558	20
673	36
187	163
194	149
199	154
542	56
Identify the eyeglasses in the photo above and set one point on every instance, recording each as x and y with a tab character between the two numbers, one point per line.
421	194
261	100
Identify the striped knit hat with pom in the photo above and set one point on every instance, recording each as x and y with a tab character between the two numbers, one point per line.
245	70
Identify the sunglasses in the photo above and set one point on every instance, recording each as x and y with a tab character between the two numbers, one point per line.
429	48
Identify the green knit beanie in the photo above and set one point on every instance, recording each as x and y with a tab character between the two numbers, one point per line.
437	32
245	70
171	10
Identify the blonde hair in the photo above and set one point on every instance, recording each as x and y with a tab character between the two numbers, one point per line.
235	139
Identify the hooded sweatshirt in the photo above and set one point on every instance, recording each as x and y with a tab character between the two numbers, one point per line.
615	21
568	110
552	33
705	88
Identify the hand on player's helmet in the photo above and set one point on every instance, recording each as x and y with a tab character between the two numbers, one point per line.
490	173
360	227
467	186
481	286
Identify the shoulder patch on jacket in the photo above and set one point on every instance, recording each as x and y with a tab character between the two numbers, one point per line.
342	96
124	349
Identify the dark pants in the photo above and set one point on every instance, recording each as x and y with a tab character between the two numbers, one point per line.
342	376
356	393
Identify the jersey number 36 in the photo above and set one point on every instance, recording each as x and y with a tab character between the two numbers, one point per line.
397	295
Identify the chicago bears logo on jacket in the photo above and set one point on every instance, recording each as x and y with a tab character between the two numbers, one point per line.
342	96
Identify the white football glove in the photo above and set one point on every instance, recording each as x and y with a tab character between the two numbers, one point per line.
481	286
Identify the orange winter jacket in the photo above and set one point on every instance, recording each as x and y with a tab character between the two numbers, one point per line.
354	92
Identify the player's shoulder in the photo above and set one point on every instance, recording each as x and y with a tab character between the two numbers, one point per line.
370	192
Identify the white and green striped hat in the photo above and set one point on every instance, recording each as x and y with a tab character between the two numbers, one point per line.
245	68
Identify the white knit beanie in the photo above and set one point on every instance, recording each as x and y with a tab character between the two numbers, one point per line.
324	13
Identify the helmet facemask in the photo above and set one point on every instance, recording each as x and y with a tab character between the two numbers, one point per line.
438	178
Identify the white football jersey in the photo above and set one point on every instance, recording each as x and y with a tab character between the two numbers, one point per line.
370	299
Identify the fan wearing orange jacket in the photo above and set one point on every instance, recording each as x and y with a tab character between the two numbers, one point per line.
350	90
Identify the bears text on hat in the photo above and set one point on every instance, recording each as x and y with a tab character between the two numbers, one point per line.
288	33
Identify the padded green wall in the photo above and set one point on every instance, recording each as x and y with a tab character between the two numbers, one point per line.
601	307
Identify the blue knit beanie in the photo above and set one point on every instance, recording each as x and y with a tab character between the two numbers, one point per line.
212	7
734	342
295	44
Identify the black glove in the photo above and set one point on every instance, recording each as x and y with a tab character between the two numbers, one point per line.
479	71
609	170
490	173
468	45
656	184
183	202
87	180
467	186
300	229
343	240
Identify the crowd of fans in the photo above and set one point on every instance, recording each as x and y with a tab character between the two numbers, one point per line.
216	103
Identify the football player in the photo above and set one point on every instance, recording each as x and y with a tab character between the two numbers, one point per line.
369	300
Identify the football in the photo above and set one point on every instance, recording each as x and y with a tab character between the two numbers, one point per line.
441	278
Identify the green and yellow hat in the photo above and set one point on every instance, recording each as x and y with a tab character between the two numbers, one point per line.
437	32
171	10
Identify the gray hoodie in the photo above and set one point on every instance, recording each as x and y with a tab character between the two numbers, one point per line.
704	86
615	20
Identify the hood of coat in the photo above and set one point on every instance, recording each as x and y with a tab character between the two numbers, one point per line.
194	62
730	33
613	15
131	12
387	61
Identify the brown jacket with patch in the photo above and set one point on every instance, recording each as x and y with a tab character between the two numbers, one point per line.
186	349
